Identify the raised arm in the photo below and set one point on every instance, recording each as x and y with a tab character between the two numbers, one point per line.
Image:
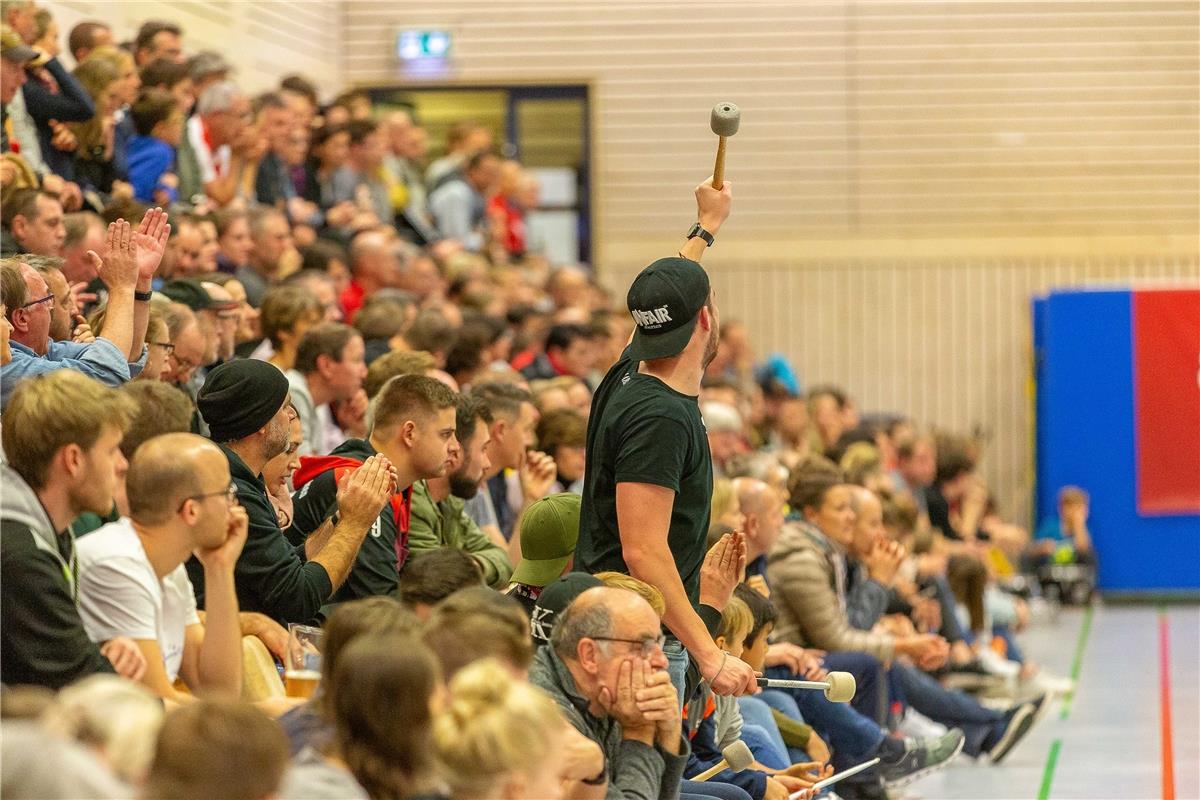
712	209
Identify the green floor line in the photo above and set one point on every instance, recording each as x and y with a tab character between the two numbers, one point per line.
1076	665
1048	773
1085	630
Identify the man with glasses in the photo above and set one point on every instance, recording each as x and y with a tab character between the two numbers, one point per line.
132	581
184	350
606	669
127	268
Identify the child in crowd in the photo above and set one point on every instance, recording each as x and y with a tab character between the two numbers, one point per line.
1065	539
801	740
713	722
151	153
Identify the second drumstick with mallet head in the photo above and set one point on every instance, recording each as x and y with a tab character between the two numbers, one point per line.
839	686
737	757
725	120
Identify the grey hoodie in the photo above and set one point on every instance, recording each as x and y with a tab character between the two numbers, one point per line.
636	771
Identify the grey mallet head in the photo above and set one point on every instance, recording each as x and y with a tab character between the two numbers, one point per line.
842	687
725	119
738	756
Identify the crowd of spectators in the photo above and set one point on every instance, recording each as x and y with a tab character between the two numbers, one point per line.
265	363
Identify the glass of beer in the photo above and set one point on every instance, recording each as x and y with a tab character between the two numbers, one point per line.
302	670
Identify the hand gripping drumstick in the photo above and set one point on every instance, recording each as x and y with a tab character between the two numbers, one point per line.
724	123
737	758
839	686
832	779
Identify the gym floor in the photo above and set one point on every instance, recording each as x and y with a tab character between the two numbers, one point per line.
1110	740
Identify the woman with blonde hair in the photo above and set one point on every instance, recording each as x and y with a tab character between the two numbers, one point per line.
95	167
116	718
499	738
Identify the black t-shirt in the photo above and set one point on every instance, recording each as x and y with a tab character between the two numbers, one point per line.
376	570
643	431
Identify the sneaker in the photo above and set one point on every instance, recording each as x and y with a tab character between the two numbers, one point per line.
1019	724
922	757
918	726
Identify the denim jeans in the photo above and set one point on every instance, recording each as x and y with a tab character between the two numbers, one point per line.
711	790
762	734
852	737
981	726
871	696
677	665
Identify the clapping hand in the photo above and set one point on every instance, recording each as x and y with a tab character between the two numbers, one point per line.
151	241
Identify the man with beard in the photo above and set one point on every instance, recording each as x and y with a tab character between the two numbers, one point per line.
648	484
412	425
249	411
438	518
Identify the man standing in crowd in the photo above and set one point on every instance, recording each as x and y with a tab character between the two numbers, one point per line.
412	426
248	411
62	435
438	518
648	486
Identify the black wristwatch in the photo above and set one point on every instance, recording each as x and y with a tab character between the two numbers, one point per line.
703	234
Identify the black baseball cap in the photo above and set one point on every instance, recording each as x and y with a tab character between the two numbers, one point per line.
556	597
665	300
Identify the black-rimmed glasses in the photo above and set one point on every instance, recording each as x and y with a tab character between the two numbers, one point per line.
47	299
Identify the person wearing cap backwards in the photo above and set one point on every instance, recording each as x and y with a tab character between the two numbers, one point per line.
648	484
247	408
549	530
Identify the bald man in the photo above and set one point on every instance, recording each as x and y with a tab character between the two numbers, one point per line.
375	266
606	669
132	581
762	506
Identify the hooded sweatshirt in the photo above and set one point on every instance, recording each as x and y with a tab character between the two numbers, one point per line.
384	551
42	639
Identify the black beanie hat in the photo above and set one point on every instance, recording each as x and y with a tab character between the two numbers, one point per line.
240	397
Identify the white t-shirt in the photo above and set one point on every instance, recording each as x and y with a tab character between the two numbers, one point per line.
119	594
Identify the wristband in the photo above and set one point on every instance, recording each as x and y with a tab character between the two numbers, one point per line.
142	297
724	658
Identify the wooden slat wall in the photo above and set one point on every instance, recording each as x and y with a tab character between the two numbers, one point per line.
908	174
263	39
